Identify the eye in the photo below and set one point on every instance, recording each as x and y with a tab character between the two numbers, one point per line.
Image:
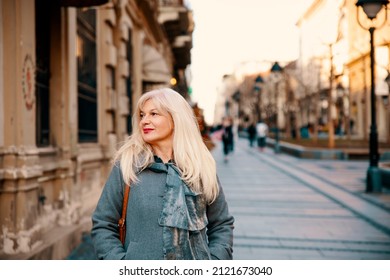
141	115
154	114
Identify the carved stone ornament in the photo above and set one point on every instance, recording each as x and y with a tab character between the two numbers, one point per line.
28	82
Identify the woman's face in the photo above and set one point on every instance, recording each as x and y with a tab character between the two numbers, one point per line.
156	127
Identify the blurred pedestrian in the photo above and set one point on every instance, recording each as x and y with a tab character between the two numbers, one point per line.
351	125
252	133
262	132
227	137
176	207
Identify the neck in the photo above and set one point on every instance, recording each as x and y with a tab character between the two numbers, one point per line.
165	153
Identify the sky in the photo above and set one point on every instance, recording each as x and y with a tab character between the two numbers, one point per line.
229	33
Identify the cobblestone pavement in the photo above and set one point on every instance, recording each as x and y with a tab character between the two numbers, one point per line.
289	208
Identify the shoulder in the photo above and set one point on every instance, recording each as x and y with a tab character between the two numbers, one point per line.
116	172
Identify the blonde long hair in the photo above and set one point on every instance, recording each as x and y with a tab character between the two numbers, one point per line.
191	156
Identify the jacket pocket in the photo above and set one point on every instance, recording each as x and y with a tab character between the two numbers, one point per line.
199	245
141	251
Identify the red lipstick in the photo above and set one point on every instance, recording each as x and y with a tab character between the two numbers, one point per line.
147	130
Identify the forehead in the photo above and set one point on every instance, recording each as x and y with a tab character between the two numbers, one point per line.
148	105
151	105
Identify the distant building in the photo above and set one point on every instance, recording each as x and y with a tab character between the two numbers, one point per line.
337	63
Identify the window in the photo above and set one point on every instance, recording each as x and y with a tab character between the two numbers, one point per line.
86	70
129	52
42	89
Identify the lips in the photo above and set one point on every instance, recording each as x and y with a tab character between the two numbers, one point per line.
147	130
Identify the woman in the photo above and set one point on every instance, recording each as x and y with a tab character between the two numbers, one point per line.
176	208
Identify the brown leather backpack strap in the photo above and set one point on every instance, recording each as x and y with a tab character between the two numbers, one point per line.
122	220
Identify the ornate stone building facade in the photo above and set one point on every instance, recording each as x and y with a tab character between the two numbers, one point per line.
70	75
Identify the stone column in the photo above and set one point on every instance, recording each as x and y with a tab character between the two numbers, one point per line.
19	187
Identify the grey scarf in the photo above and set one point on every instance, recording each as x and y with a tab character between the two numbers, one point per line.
183	217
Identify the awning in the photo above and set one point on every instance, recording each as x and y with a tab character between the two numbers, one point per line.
154	66
82	3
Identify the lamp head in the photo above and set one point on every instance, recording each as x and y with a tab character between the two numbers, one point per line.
259	79
371	7
339	90
387	79
276	67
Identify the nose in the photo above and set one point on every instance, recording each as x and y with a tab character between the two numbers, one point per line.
145	120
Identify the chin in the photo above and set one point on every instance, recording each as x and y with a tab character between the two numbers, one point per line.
149	140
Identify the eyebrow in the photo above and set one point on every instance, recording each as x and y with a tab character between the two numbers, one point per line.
153	109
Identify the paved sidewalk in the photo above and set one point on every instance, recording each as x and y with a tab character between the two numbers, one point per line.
290	208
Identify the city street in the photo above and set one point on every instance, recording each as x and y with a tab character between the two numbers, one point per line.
289	208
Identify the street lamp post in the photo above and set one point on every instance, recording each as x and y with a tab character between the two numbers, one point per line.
343	123
387	80
276	70
386	99
371	8
331	142
257	87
